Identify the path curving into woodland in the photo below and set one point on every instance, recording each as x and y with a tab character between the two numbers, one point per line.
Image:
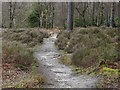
57	74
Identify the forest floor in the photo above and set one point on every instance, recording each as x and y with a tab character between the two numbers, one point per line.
57	74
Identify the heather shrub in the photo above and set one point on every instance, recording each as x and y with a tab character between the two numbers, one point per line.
63	38
90	44
84	57
17	53
29	37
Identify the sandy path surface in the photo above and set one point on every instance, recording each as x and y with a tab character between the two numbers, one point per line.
57	74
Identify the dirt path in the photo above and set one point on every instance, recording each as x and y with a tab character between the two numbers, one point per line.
57	74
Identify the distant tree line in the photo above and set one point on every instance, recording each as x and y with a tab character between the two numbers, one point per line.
42	16
59	14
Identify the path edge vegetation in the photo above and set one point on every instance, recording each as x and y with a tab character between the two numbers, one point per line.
103	69
18	57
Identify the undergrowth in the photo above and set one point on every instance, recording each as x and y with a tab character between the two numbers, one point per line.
17	53
18	47
93	51
66	60
89	45
30	37
29	79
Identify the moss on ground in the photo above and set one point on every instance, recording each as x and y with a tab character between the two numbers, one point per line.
110	72
109	78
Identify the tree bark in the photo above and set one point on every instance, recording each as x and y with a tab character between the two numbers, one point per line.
119	32
102	14
39	11
46	26
70	16
106	14
10	14
112	24
93	12
53	15
119	14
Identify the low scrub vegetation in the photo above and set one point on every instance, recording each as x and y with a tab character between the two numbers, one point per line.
31	37
94	51
18	47
15	52
90	44
66	60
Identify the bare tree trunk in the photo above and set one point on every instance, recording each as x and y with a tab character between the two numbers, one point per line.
39	8
70	16
10	14
112	24
42	20
102	14
98	19
46	17
46	21
119	32
119	14
93	12
53	15
106	14
41	16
